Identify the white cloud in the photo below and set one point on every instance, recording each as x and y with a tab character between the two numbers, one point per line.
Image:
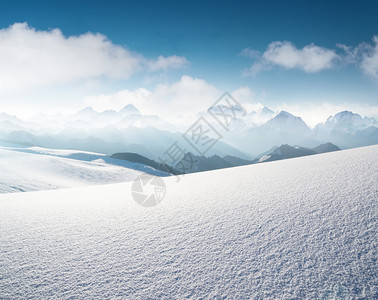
179	102
29	57
256	68
246	97
369	63
175	102
310	58
164	63
251	53
364	55
243	94
117	100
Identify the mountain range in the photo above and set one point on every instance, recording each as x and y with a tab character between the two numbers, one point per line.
129	130
286	151
192	163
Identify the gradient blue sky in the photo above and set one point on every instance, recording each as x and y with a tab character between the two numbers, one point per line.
211	36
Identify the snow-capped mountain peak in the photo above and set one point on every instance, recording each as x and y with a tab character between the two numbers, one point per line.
344	116
260	116
87	110
129	109
265	111
284	121
283	117
282	114
349	119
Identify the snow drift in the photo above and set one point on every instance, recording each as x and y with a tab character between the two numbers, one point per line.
297	228
37	168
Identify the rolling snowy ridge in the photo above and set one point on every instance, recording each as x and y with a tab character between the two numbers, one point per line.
291	229
36	168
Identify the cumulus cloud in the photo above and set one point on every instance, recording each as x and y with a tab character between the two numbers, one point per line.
246	97
369	63
364	55
176	102
310	58
256	68
164	63
30	57
180	102
251	53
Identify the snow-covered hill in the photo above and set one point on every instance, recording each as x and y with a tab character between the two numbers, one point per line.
36	168
303	228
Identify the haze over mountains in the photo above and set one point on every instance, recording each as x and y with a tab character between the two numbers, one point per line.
129	130
192	163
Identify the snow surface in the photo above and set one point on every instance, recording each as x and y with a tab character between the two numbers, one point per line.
302	228
37	168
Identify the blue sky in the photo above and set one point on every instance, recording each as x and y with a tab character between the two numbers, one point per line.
204	40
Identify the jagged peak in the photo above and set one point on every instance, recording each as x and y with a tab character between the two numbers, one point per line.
87	109
129	109
265	110
345	114
283	114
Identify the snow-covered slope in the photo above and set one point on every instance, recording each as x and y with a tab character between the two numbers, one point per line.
303	228
37	168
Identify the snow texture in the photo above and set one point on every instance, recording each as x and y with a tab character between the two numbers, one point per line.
37	168
302	228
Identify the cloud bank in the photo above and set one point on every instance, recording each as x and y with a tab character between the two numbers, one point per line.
176	102
30	57
310	58
164	63
180	102
369	62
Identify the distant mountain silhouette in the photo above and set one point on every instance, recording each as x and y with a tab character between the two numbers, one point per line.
137	158
203	163
129	109
286	151
327	147
192	163
348	129
129	130
236	161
